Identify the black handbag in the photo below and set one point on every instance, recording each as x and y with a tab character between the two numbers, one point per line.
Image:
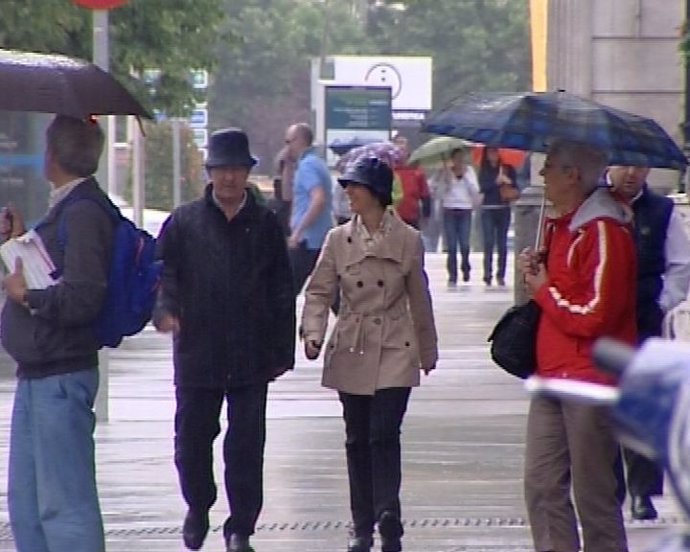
514	339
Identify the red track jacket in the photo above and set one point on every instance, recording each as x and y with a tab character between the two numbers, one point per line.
590	292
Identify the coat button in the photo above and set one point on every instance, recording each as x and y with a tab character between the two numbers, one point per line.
380	283
407	343
377	321
349	239
360	283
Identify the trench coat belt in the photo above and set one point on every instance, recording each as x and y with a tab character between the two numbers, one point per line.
357	344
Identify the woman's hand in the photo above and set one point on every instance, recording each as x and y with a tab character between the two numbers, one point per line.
312	349
427	369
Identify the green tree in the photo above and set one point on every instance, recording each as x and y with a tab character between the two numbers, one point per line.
171	35
476	45
263	80
159	167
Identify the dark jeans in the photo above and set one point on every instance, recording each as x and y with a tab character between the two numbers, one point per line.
457	224
372	445
644	476
303	261
196	427
495	223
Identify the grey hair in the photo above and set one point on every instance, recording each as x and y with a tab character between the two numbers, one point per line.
588	160
75	144
305	132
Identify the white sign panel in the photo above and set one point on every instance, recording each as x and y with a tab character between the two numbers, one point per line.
409	78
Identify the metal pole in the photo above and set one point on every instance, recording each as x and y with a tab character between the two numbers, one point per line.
177	163
101	57
686	103
138	191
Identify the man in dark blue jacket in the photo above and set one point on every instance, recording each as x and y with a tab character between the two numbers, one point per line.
48	331
227	296
663	276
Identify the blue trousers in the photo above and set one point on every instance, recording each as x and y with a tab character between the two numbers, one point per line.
458	226
495	224
52	497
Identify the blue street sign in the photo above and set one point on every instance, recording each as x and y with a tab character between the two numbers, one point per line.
198	118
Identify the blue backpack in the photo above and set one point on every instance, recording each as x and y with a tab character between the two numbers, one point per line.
133	278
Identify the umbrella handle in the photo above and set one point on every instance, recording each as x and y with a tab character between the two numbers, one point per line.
540	225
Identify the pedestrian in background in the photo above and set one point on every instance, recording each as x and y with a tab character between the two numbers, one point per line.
415	203
585	287
663	277
312	204
51	492
460	194
282	187
495	176
384	337
227	298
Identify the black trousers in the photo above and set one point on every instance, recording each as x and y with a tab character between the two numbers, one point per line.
197	425
644	476
303	261
372	446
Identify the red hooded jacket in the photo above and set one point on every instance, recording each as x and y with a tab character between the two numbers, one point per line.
591	288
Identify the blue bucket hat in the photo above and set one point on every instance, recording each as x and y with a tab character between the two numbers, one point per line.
229	147
372	173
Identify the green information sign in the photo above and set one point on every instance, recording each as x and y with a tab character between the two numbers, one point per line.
358	108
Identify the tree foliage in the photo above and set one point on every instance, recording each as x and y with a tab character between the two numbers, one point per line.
263	81
159	168
171	35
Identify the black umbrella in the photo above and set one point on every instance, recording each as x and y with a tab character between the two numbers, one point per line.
50	83
531	120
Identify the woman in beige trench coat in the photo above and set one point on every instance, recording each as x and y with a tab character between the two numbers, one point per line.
384	337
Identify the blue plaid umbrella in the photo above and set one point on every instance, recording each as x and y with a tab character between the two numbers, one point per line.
530	121
341	146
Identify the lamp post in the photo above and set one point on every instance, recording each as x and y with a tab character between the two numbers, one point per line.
101	57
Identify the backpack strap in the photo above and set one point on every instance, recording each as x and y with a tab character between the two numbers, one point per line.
106	204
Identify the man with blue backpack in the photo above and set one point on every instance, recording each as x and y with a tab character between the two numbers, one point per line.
52	497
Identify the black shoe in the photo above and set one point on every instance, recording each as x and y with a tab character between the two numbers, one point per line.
360	544
391	530
466	277
642	508
238	543
195	529
487	281
501	281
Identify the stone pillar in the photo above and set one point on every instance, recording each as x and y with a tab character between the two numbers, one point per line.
569	68
569	49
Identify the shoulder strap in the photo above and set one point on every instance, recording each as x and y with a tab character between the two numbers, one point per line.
108	206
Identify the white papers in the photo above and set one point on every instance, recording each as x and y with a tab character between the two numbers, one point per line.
38	266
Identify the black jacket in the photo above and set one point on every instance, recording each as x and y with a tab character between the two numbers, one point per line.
230	285
57	336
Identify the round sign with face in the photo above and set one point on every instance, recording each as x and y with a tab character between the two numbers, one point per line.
100	4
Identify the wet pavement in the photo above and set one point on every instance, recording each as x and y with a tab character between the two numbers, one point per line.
462	449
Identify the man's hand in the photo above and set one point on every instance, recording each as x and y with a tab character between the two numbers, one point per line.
167	323
533	281
312	349
11	222
15	283
294	239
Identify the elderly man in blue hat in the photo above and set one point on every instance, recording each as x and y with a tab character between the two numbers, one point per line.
227	297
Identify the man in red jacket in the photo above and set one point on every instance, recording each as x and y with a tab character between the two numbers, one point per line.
585	287
415	190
